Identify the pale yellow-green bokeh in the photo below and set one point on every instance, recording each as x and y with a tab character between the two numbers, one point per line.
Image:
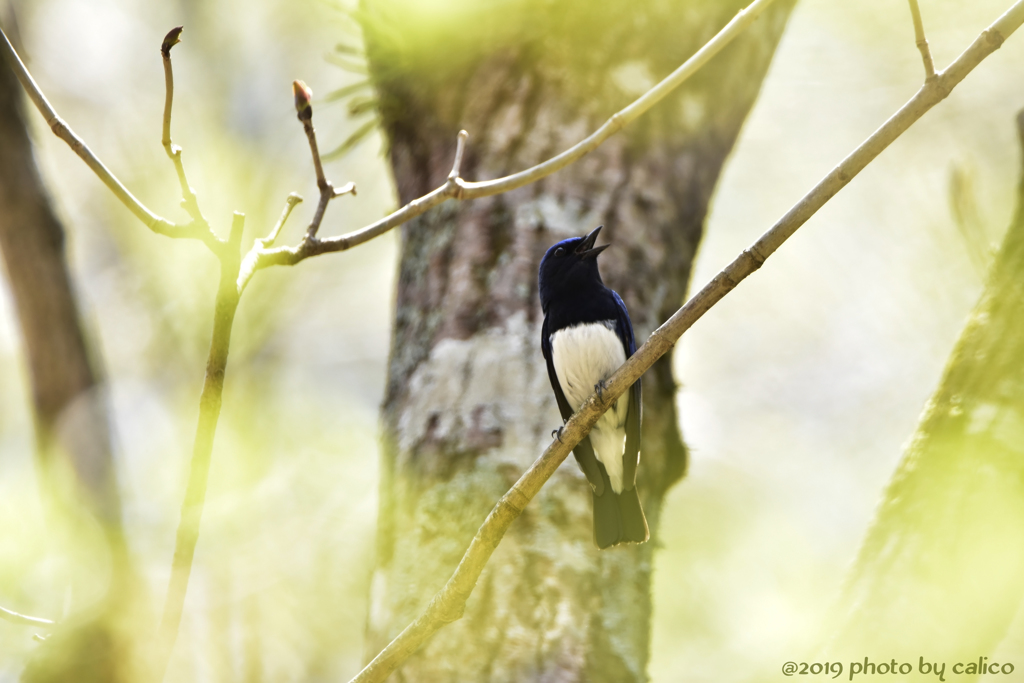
798	391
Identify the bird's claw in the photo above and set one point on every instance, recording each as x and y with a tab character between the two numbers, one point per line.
557	434
599	388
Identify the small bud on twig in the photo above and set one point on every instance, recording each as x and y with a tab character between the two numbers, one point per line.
347	188
303	100
172	38
460	148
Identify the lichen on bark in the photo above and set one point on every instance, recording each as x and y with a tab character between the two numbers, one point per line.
468	406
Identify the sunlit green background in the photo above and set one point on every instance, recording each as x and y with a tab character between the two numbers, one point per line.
798	391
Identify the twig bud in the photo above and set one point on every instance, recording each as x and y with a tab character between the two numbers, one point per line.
303	100
172	38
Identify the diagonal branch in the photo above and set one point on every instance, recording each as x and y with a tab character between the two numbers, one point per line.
457	188
15	618
922	43
945	534
454	188
161	226
449	604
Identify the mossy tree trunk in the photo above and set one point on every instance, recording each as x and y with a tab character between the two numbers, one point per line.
468	405
941	572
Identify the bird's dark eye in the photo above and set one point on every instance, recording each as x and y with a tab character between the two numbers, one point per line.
559	252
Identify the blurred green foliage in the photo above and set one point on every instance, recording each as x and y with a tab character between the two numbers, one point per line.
798	391
600	56
282	567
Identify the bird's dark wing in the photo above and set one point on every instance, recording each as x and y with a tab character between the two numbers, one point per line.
631	456
584	452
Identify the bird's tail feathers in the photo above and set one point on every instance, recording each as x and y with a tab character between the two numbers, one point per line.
618	518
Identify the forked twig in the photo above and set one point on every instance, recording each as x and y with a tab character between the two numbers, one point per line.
457	188
922	43
304	109
161	226
247	270
188	196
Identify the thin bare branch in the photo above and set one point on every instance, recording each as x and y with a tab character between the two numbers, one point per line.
15	618
245	273
202	450
347	188
189	201
172	38
304	109
448	604
290	203
460	149
456	188
922	43
161	226
288	256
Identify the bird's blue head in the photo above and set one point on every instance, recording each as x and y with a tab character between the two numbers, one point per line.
568	266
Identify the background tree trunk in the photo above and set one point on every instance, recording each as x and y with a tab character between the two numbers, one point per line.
64	383
468	405
941	572
73	440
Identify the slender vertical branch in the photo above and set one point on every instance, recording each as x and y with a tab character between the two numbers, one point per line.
922	43
304	109
172	38
189	201
209	413
460	149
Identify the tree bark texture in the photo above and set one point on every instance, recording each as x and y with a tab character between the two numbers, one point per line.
468	405
941	571
65	400
73	440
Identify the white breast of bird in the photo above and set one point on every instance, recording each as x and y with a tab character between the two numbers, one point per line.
584	355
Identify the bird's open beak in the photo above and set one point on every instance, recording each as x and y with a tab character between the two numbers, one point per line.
587	249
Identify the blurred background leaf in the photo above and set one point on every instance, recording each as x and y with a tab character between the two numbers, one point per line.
797	392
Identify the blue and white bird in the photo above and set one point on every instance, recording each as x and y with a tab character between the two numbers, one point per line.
586	336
